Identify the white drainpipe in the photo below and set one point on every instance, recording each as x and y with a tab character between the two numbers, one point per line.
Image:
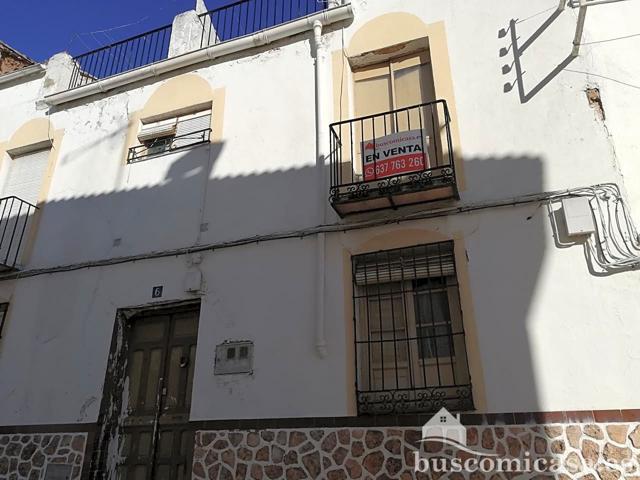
321	155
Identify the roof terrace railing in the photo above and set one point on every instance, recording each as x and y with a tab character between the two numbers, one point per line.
120	57
232	21
249	16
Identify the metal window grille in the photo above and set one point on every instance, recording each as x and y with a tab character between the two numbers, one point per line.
410	344
188	132
3	315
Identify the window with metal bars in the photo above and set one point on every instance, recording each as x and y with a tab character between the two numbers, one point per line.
171	134
410	344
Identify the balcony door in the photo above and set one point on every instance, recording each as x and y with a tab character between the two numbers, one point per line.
393	85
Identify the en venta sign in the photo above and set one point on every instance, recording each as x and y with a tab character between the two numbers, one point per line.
394	154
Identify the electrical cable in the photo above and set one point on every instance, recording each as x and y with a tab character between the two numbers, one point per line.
303	233
615	244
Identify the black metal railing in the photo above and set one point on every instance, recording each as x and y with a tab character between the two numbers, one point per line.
400	150
410	343
15	215
120	57
249	16
221	24
170	144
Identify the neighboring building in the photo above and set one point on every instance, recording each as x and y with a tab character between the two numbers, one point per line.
12	60
273	239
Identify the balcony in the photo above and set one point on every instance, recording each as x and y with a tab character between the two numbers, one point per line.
387	160
16	216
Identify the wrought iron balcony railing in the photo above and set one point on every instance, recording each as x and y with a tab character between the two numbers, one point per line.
120	57
249	16
168	144
15	218
400	157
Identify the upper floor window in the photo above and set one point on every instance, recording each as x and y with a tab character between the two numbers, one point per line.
397	149
22	185
393	85
25	174
410	343
171	134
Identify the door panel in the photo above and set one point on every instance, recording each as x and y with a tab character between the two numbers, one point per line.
157	440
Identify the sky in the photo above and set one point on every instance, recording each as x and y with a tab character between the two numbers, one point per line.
41	28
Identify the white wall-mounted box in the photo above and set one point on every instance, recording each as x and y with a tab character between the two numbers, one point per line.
578	216
234	357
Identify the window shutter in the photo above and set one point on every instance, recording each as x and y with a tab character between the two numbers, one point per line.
427	261
192	124
157	130
25	176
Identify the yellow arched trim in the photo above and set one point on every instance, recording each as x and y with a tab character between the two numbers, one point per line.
36	133
400	239
177	96
385	31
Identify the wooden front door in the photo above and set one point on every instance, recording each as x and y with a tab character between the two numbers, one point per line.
153	439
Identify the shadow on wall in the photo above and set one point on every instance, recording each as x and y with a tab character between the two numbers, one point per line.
172	201
519	49
506	248
509	176
187	207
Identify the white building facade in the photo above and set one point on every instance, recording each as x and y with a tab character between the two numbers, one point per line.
272	244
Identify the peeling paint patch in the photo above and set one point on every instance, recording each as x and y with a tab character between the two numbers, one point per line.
595	102
106	451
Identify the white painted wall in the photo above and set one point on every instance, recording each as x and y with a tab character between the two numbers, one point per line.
551	335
